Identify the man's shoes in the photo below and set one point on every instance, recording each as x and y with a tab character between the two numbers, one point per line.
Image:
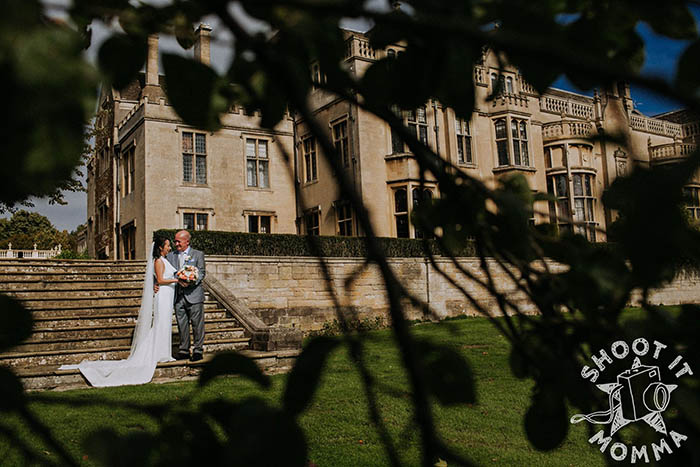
182	356
196	356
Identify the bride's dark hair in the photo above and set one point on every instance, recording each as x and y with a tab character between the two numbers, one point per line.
158	243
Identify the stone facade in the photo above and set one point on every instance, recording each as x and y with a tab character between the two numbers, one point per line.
292	292
149	184
164	174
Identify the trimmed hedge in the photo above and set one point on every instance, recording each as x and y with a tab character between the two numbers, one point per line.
213	242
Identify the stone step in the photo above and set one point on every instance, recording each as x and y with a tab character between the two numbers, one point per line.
49	303
71	356
47	377
78	309
69	269
43	295
73	283
104	319
40	286
76	262
109	330
50	275
102	341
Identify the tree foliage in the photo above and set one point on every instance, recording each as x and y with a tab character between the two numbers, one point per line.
592	42
24	229
50	91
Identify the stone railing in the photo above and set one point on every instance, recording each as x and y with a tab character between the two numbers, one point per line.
262	337
357	47
566	107
566	129
131	113
480	75
665	152
658	127
33	254
526	87
288	292
510	102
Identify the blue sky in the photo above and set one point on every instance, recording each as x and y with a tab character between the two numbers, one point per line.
662	55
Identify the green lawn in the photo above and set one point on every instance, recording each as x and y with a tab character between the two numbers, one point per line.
337	426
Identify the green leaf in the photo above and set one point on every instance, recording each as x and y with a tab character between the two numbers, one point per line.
518	363
448	375
121	58
11	391
687	71
233	363
306	374
114	450
197	104
250	426
17	323
456	87
671	19
546	422
184	32
51	90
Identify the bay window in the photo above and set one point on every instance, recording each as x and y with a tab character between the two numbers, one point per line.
464	142
512	147
578	217
403	207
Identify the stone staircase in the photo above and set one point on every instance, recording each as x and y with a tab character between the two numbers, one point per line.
87	310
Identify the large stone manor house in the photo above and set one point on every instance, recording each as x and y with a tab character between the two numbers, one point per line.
152	171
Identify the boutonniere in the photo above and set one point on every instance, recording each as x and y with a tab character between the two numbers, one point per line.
187	258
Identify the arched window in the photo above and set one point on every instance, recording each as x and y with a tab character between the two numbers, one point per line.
581	216
509	85
501	141
692	201
519	136
401	213
420	196
516	131
464	142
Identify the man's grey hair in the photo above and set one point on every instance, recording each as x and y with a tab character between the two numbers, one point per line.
186	233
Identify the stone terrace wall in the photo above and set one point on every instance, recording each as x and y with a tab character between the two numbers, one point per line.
291	291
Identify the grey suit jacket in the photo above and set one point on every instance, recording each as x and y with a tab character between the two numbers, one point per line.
195	292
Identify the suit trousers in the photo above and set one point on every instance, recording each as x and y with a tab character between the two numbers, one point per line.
186	313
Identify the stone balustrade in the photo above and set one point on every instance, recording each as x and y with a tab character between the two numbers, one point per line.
565	129
670	151
526	87
34	253
357	47
652	125
567	107
480	75
292	292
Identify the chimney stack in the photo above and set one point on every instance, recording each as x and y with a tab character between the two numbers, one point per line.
152	61
202	52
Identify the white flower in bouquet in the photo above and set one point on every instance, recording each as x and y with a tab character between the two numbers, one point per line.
188	273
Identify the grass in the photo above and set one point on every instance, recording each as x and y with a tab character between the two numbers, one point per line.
337	427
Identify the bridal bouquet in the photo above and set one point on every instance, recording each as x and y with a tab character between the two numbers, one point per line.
188	273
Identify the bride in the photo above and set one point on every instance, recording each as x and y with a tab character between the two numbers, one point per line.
151	342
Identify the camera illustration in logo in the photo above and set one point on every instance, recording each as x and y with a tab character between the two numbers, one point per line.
642	393
638	394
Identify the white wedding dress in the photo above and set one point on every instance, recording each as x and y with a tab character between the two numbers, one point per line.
150	344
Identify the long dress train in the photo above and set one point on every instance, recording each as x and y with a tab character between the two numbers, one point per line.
151	342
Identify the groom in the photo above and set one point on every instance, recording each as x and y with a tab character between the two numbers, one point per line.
189	298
